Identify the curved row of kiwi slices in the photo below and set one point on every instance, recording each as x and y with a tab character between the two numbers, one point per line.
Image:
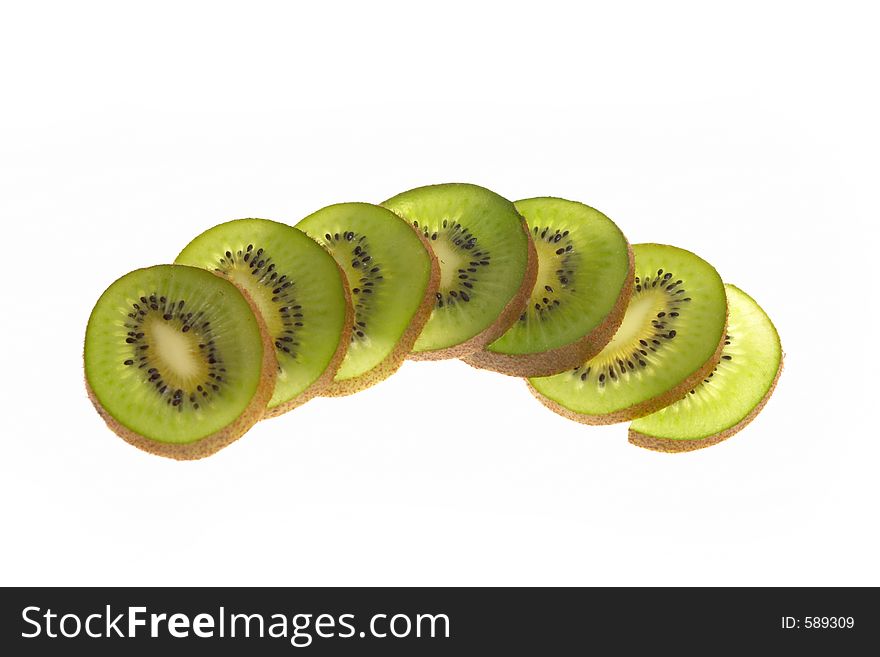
584	282
300	292
488	265
256	317
728	398
177	361
670	339
393	277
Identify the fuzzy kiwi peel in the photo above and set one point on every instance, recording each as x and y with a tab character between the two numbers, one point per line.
109	380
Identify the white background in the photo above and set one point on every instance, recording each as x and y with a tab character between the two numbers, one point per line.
747	133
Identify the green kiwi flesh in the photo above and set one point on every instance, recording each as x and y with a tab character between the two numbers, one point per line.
392	276
670	339
176	361
300	292
585	279
487	265
729	397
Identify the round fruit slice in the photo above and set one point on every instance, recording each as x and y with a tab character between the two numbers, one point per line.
177	361
300	292
670	339
585	279
393	277
487	261
728	398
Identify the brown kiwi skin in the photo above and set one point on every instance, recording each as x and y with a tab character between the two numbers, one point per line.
671	446
404	346
323	382
509	314
642	408
554	361
218	440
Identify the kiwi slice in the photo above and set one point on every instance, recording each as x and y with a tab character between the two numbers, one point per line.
393	277
487	262
585	279
670	339
728	398
177	361
301	294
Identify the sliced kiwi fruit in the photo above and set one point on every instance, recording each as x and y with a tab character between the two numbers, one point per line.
585	279
488	265
300	291
393	278
670	339
177	361
730	396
